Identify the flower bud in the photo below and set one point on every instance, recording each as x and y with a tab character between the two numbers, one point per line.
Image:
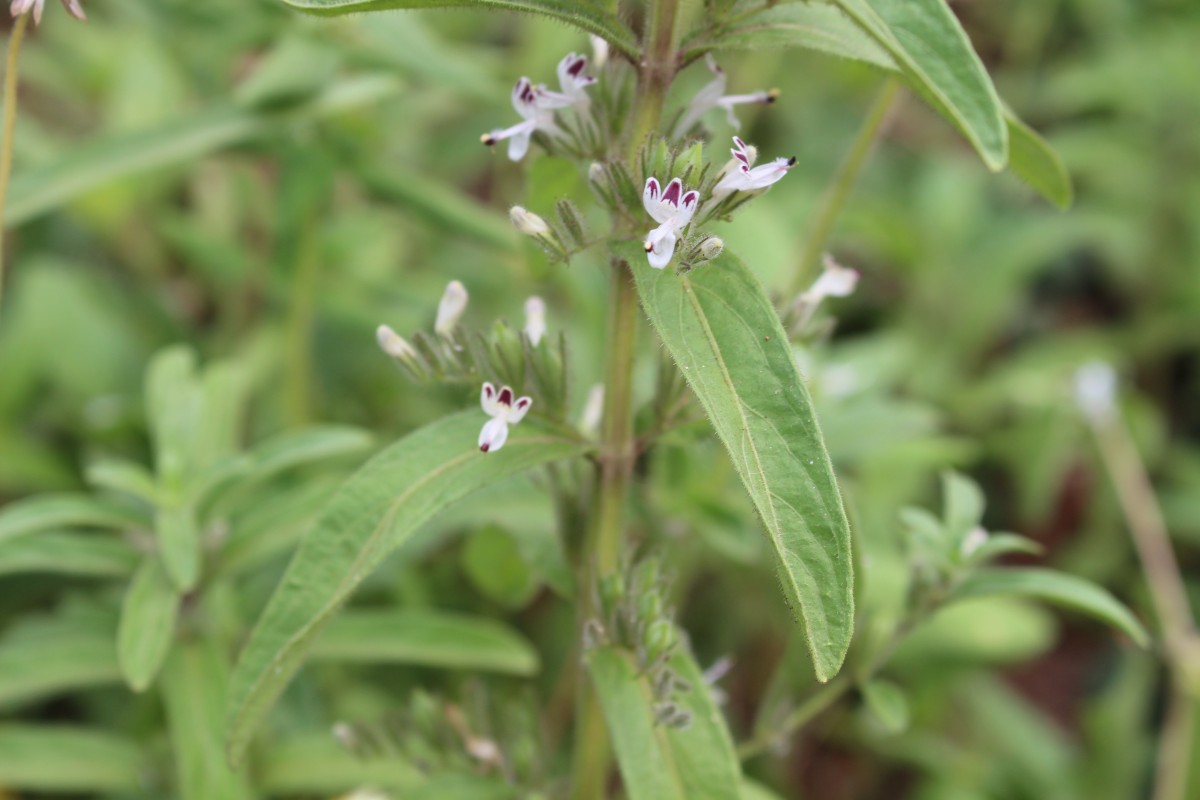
393	344
599	50
527	222
593	410
711	247
1096	391
450	309
596	172
834	281
535	319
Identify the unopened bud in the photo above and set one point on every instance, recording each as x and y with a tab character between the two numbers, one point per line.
711	247
1096	391
535	319
450	309
593	410
596	172
527	222
393	344
599	50
834	281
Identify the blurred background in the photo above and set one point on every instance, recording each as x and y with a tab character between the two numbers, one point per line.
268	188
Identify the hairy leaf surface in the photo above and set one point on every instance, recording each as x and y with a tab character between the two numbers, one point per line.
373	513
723	333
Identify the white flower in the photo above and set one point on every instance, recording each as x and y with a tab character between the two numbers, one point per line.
713	95
537	113
572	81
393	343
19	7
503	410
744	177
834	281
527	222
1096	390
535	319
673	210
450	309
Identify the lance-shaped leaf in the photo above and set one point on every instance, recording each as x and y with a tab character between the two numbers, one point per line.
725	336
64	553
585	16
41	657
933	52
63	759
373	513
49	511
1055	587
703	749
147	624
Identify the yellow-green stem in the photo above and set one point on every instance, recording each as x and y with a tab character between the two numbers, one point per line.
1148	530
590	765
10	120
838	192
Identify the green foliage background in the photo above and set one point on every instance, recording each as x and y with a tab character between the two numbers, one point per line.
268	188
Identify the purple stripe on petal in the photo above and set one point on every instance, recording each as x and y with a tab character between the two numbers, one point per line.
653	188
690	198
577	66
506	396
523	403
674	189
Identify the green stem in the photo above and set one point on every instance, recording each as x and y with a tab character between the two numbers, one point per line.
1148	530
817	702
842	185
10	121
618	448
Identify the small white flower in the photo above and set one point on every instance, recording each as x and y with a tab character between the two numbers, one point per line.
673	210
504	411
393	343
834	281
745	178
527	222
535	319
537	113
1096	390
593	410
713	95
450	309
19	7
572	81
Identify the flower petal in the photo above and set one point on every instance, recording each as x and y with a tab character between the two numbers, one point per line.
687	207
487	399
520	409
493	435
652	200
660	246
672	192
518	145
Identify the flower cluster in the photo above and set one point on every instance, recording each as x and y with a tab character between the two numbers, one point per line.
19	7
536	106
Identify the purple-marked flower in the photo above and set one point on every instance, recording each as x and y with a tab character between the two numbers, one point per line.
745	177
505	409
537	113
672	208
19	7
450	309
573	82
713	96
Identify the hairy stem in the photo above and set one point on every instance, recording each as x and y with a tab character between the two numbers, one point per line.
1143	517
10	120
839	189
618	449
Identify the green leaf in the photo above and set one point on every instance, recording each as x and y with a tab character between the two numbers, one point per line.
1002	544
426	638
84	554
584	16
179	544
317	763
173	404
375	512
643	752
964	505
811	26
96	163
147	624
886	702
42	657
1058	588
703	750
274	524
49	511
123	476
67	759
1035	161
725	336
195	686
493	562
934	54
307	446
